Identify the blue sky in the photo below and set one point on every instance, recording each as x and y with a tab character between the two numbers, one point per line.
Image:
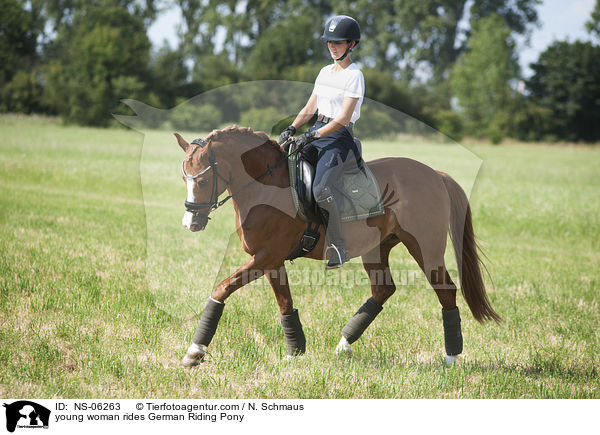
559	20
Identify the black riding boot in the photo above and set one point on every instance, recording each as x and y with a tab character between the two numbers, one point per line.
335	240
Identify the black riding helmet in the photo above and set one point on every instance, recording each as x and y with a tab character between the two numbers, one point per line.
341	28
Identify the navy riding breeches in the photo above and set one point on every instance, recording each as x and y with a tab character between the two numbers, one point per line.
333	150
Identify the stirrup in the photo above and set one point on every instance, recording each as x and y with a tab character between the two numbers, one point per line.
338	257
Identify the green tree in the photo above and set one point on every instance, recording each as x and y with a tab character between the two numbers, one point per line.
263	119
289	43
532	122
566	81
432	32
197	35
101	58
215	70
449	123
168	75
193	116
17	39
23	94
481	78
376	123
56	14
403	36
266	13
242	23
381	87
593	25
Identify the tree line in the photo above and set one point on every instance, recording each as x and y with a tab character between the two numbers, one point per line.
451	64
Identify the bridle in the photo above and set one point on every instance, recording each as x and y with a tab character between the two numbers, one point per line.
201	210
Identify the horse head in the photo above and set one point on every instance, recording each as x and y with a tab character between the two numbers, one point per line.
205	180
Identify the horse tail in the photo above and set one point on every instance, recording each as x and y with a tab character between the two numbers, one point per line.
466	253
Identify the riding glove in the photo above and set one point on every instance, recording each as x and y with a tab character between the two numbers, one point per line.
285	134
305	139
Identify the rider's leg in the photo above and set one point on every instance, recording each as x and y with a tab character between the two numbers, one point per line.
329	171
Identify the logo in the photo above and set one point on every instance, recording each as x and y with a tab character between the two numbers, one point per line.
333	25
26	415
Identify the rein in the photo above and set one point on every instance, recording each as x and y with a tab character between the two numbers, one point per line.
197	207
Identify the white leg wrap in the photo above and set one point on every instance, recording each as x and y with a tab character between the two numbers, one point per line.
343	347
451	360
194	356
196	349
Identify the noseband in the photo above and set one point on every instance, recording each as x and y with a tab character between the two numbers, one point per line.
202	209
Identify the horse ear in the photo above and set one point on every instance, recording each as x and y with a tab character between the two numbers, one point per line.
182	143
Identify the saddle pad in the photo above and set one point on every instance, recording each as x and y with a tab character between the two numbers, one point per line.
362	198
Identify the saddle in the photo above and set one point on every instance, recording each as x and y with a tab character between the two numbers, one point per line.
359	188
360	191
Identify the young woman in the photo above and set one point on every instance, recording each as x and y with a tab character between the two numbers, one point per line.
337	96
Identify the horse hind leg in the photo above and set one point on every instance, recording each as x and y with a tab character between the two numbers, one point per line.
431	261
445	289
377	267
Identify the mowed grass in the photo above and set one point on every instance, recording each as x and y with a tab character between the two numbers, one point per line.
101	287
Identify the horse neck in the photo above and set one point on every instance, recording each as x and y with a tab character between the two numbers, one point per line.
250	159
250	183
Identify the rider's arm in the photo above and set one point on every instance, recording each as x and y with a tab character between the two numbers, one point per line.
343	119
306	113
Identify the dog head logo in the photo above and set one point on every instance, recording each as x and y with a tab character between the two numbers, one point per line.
26	414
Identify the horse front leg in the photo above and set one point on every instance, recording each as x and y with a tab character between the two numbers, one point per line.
251	270
290	320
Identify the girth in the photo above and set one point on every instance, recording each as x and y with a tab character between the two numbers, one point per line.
307	242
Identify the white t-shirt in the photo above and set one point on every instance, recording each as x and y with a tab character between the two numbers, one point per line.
332	86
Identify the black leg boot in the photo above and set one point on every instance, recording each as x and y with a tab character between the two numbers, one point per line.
335	241
453	339
294	335
204	333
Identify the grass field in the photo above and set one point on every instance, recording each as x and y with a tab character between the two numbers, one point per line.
101	287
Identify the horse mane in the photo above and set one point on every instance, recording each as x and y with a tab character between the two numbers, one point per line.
234	131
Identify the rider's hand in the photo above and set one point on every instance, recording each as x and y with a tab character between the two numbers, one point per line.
285	134
305	139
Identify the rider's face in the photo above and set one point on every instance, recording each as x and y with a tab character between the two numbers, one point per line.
337	48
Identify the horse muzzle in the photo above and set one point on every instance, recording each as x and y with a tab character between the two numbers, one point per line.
194	221
196	217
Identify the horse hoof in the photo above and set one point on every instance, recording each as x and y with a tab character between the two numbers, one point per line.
451	360
288	358
192	359
343	352
343	347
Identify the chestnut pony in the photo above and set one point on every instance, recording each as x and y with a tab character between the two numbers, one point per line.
421	206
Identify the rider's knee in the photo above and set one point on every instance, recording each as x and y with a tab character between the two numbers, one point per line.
323	194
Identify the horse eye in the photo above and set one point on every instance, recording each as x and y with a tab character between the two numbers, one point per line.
201	182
